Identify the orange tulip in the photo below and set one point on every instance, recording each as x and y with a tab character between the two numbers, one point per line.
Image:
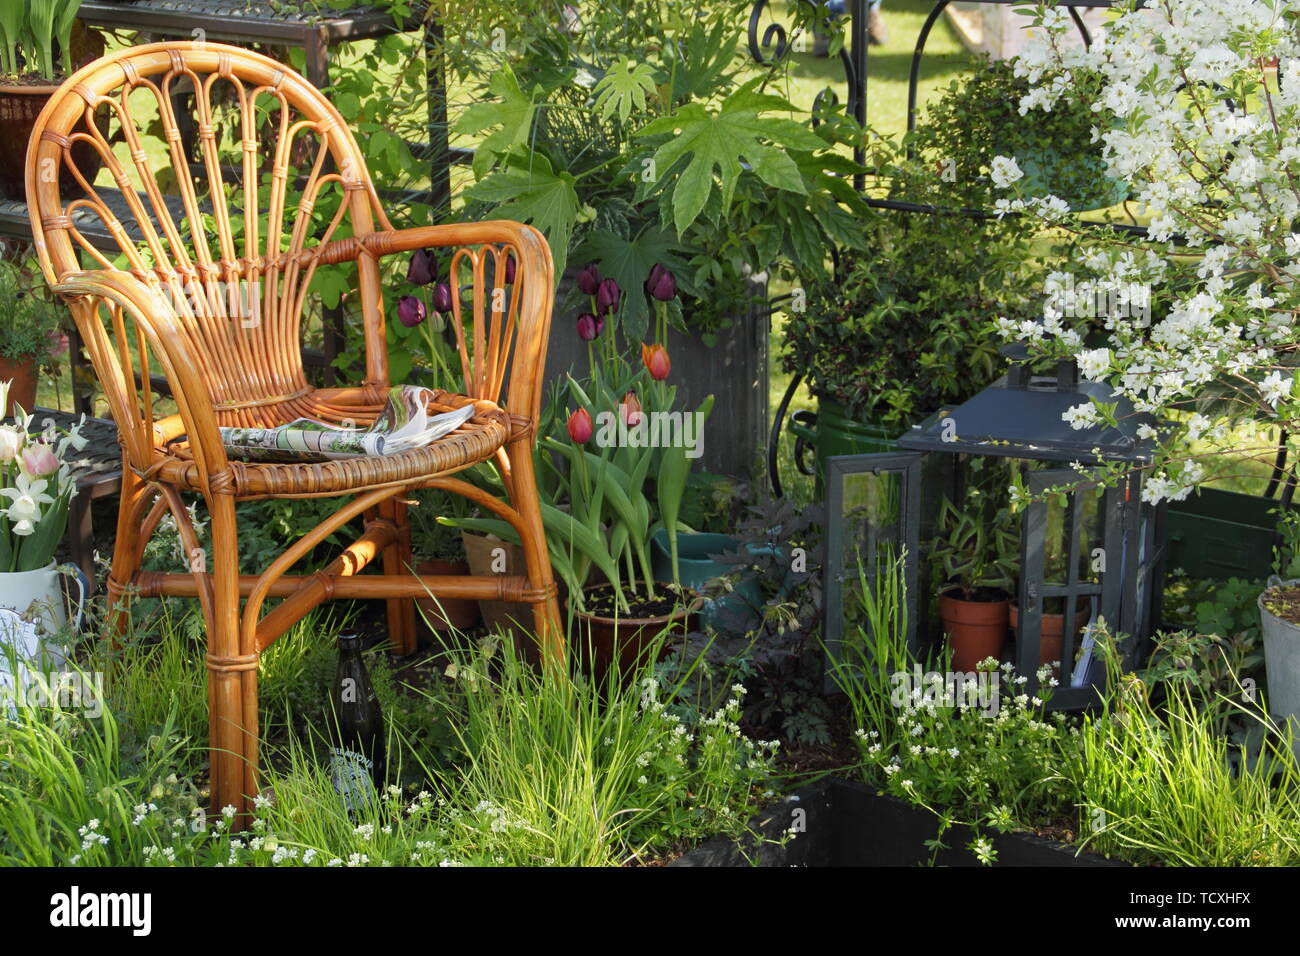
655	359
631	409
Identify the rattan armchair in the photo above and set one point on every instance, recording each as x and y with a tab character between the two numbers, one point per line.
214	301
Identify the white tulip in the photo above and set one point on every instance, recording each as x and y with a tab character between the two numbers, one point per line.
11	442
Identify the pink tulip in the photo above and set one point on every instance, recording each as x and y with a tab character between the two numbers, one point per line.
631	409
39	460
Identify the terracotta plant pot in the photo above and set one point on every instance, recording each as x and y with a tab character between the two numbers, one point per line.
445	614
1051	635
601	641
20	104
21	374
975	629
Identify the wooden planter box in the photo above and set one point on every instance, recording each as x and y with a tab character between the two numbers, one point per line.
848	824
734	371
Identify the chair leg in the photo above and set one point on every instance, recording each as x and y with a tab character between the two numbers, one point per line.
537	560
397	560
232	676
127	549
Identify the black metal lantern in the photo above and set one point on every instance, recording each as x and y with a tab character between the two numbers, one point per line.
1092	548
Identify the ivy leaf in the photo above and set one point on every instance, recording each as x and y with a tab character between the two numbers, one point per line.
528	189
625	86
737	133
511	118
628	262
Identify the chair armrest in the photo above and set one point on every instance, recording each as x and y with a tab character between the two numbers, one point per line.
157	321
537	296
390	241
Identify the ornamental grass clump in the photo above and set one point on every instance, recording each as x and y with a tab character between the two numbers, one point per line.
579	772
539	771
1158	784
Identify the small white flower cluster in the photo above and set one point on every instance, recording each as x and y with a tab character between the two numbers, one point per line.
1191	115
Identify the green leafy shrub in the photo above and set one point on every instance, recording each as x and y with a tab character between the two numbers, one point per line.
29	318
979	118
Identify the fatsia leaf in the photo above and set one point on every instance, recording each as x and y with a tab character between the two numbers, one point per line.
623	88
701	68
722	142
510	118
526	188
628	262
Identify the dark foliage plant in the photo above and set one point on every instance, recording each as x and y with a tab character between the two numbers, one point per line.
777	655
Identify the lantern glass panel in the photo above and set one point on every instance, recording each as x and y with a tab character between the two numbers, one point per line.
872	517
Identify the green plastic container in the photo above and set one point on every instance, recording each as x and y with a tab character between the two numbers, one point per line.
832	432
1221	534
736	612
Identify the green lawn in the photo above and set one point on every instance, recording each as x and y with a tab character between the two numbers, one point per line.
887	72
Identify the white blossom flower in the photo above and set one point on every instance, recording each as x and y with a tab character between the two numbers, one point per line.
1004	171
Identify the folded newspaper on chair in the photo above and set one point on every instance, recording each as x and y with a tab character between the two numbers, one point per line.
405	423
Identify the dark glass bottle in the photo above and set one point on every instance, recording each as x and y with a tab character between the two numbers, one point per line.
357	750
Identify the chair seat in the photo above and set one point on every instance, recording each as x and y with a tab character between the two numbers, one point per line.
478	439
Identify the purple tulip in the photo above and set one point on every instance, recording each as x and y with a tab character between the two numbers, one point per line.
442	297
510	269
662	284
410	311
607	297
421	269
589	326
589	279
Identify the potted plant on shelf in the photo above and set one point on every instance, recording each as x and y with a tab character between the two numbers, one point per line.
41	43
30	333
35	488
975	554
